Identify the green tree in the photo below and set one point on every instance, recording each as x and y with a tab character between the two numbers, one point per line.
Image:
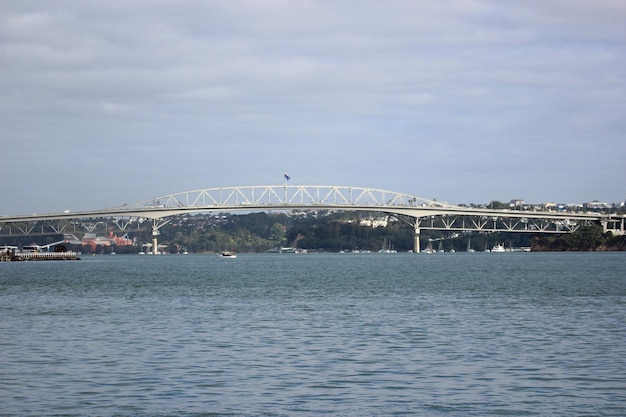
277	233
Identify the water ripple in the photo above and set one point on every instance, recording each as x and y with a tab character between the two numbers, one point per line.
521	334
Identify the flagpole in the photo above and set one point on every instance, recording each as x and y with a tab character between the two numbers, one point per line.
285	179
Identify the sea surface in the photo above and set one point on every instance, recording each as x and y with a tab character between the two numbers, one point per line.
478	334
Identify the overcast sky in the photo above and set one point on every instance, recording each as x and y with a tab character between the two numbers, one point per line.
466	101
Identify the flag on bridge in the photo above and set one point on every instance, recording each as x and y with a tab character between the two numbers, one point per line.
287	177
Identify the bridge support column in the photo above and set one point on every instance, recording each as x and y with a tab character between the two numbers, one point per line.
155	241
156	225
416	239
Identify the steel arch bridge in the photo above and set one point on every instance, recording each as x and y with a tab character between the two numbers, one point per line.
420	213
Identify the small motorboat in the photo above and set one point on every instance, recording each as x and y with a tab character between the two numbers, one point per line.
226	254
498	248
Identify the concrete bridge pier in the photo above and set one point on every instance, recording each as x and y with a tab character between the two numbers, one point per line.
156	225
416	238
155	243
615	226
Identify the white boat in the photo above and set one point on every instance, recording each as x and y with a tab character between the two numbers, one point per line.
498	248
226	254
429	248
387	248
290	249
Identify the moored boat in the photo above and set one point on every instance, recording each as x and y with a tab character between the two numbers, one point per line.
498	248
469	245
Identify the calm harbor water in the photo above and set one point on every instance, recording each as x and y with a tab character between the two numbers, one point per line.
299	335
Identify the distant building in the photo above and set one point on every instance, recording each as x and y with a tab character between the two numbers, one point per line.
377	222
519	204
596	205
574	206
93	241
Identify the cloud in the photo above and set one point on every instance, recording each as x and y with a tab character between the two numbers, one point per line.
384	94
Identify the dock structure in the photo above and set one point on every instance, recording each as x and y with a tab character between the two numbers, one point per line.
8	256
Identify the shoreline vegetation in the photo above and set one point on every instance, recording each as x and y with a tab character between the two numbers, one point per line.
329	232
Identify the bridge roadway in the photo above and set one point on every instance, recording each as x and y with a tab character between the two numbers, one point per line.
420	213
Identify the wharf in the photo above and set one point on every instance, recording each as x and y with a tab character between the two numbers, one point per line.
38	256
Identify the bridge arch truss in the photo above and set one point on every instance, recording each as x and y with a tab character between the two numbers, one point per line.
277	197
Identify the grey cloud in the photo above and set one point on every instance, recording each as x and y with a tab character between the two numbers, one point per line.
378	93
